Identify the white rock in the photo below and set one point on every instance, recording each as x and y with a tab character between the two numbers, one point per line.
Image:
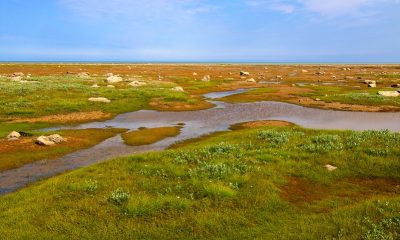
13	136
177	89
110	86
56	138
330	168
195	74
99	99
18	74
95	86
389	93
369	82
243	73
252	80
114	79
206	78
137	83
304	71
44	141
372	85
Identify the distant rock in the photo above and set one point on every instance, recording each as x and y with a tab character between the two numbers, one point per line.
84	75
95	86
330	168
16	78
137	83
372	85
206	78
389	93
44	141
56	138
114	79
110	86
178	89
369	82
304	71
194	73
243	73
251	80
13	136
18	74
99	99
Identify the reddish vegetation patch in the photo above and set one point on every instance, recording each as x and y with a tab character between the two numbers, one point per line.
70	117
160	105
256	124
301	192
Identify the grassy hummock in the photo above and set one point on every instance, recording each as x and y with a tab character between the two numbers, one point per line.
261	183
146	136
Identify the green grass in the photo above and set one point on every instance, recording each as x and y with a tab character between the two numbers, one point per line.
148	136
266	183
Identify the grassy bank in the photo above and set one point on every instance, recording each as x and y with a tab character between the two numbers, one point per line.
262	183
148	136
14	154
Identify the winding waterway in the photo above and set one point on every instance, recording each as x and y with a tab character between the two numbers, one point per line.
196	124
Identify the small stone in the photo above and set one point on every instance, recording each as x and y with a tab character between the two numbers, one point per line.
44	141
195	74
243	73
369	82
206	78
330	168
304	71
317	99
177	89
251	80
389	93
137	84
56	138
95	86
110	86
13	136
99	99
18	74
114	79
372	85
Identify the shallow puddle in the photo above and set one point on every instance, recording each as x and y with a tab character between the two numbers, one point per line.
197	123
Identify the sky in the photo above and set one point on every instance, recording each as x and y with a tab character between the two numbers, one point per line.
201	30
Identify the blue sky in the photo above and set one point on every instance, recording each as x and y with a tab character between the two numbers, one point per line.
200	30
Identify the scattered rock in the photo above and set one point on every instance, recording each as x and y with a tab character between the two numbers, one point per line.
44	141
369	82
330	168
317	99
389	93
252	80
18	74
372	85
137	84
243	73
195	74
83	75
16	78
99	99
95	86
110	86
320	73
114	79
177	89
56	138
206	78
304	71
13	136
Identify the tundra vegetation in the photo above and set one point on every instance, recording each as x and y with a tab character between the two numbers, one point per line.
267	180
263	182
